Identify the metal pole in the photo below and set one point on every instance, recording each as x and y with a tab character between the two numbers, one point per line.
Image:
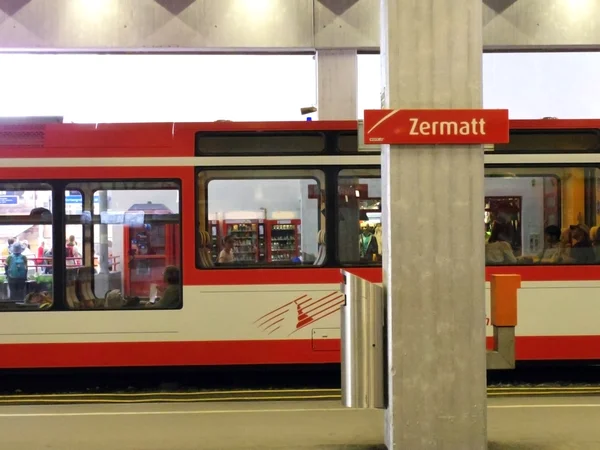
103	207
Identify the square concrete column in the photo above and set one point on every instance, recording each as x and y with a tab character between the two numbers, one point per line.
433	232
337	84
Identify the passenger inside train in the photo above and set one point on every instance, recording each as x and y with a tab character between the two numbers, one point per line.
226	255
170	296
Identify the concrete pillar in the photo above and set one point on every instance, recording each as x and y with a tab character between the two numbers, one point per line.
337	84
433	233
337	99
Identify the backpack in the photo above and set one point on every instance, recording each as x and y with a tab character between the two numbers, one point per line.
17	269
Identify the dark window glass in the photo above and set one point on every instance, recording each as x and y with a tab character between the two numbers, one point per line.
259	143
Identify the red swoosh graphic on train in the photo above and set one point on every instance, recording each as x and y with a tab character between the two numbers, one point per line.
308	311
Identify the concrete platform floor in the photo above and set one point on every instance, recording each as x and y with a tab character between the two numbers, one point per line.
513	424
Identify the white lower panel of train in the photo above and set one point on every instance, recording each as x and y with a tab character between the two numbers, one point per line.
269	325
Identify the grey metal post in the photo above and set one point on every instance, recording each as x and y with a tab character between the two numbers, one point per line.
433	245
362	343
103	247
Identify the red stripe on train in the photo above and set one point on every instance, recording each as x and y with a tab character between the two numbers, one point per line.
333	276
138	354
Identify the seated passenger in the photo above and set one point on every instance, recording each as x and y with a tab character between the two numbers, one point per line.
581	250
226	255
171	296
112	300
551	252
564	247
498	249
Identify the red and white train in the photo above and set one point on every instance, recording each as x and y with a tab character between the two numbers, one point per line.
294	197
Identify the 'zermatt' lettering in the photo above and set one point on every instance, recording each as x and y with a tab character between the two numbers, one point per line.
447	128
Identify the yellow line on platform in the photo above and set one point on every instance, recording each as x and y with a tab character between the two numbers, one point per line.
544	388
202	393
80	414
171	400
243	395
542	393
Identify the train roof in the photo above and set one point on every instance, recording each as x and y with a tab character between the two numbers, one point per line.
51	139
20	124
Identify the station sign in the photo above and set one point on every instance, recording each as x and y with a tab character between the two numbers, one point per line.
77	200
9	200
436	126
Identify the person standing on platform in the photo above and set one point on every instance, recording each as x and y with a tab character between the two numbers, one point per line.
7	249
15	268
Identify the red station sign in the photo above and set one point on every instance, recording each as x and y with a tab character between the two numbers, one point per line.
436	126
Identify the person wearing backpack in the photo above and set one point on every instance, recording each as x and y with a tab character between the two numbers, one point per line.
15	268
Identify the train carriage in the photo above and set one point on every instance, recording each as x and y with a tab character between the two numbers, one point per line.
257	219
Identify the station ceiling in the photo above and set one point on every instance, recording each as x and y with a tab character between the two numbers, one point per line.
269	25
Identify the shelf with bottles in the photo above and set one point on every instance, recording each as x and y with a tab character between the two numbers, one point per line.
284	240
248	239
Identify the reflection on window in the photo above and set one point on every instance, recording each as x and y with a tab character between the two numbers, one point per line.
519	207
267	217
122	246
25	246
359	217
531	216
542	216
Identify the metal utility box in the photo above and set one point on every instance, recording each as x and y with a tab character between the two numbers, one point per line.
363	371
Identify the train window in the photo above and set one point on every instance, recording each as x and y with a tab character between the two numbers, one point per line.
540	215
123	245
25	239
537	215
359	217
251	218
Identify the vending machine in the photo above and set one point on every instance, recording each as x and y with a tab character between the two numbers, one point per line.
249	239
150	243
283	240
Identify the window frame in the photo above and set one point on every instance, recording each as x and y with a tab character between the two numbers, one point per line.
31	185
522	167
528	174
79	183
202	223
363	169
